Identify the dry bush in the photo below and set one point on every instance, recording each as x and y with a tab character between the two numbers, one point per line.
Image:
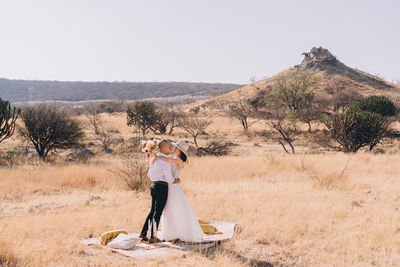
101	107
133	172
342	93
11	157
194	125
242	110
217	147
80	155
103	134
325	178
7	256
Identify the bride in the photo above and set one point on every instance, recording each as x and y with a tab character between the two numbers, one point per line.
178	220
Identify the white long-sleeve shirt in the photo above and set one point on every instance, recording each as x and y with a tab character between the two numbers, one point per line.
160	170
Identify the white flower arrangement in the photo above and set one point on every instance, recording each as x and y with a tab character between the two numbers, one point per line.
150	146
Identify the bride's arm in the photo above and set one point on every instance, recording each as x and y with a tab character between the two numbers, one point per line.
177	162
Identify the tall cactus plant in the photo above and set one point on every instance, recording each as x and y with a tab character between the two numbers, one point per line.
8	117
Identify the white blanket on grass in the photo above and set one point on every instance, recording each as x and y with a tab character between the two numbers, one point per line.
130	246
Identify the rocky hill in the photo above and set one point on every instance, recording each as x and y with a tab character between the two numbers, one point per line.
327	67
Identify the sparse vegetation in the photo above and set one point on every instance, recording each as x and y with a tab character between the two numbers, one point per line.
195	109
102	133
218	147
49	128
341	92
143	115
9	158
133	172
8	117
356	129
167	120
7	256
194	125
319	205
294	90
283	126
375	104
363	124
242	110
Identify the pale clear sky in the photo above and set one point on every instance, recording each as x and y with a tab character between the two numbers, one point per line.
188	40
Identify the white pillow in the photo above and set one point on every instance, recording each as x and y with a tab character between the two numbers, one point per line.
123	241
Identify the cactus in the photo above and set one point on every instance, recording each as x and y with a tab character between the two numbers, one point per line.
8	117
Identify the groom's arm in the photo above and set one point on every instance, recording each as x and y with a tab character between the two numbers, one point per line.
166	168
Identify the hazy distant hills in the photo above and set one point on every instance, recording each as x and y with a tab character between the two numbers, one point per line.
26	90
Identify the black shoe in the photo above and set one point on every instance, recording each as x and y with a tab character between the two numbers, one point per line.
154	240
144	238
176	241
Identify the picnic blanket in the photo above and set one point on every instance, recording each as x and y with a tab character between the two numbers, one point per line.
163	249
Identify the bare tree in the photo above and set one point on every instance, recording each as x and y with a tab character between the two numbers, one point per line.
49	127
95	122
218	103
8	117
103	134
105	137
284	127
242	110
174	116
279	117
342	93
194	125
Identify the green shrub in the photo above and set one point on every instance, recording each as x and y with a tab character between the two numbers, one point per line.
381	105
356	129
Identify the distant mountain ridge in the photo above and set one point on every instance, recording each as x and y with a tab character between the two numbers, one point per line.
32	90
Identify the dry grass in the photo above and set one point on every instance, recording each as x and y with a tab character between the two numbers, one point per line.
306	209
285	216
7	256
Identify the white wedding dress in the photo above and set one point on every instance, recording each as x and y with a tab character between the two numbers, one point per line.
178	219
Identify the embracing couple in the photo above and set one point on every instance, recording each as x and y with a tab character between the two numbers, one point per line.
169	204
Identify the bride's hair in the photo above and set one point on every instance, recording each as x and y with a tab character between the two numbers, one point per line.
182	156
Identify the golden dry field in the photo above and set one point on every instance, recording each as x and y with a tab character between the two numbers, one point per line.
313	208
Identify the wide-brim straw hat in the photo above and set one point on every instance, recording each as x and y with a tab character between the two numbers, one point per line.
182	146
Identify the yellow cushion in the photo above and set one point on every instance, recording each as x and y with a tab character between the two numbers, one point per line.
202	222
110	235
208	228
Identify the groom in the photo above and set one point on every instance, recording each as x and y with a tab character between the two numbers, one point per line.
160	175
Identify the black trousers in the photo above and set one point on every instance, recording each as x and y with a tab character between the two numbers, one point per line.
159	194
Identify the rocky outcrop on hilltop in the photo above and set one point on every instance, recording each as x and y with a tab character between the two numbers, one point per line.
328	68
318	58
321	59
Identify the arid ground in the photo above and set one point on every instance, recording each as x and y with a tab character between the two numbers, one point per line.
314	208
